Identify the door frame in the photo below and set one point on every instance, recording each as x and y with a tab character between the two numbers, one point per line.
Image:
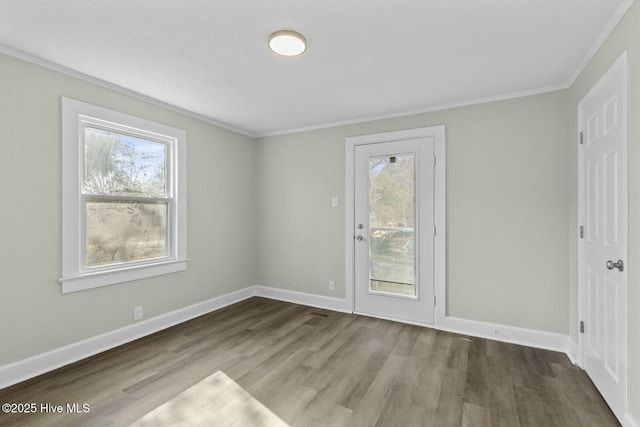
440	239
620	65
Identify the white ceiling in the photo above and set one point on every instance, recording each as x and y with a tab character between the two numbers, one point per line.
366	58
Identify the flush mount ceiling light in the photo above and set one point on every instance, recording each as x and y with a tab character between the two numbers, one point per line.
287	43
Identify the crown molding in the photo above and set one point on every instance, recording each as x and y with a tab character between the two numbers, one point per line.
600	40
16	53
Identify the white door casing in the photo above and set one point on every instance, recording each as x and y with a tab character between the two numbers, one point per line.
603	204
427	144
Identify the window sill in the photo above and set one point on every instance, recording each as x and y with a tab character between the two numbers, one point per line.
84	281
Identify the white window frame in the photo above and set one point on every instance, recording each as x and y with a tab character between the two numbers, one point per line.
77	115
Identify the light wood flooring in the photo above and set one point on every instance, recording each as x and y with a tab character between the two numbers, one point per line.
313	367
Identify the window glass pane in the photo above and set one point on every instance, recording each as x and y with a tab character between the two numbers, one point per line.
125	231
392	224
123	165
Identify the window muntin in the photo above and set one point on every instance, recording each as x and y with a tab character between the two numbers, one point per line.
124	197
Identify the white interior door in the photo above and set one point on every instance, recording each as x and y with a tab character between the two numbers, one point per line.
394	230
603	125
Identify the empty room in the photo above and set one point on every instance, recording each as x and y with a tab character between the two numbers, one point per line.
333	213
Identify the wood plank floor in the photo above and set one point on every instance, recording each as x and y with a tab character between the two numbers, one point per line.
313	367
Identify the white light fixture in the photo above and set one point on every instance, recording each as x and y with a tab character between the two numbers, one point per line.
287	43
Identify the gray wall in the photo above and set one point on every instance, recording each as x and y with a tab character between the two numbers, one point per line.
507	211
35	315
259	211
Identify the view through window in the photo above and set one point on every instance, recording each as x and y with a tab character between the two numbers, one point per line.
123	197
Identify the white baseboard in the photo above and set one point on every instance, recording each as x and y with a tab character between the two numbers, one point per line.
39	364
510	334
42	363
572	351
45	362
629	421
33	366
302	298
504	333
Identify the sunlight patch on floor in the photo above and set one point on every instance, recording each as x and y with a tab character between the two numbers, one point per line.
217	400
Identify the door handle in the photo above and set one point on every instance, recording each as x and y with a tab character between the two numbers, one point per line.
359	238
619	265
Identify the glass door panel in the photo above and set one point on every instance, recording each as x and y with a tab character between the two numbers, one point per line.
392	213
393	228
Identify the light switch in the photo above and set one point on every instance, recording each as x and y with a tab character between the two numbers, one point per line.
334	202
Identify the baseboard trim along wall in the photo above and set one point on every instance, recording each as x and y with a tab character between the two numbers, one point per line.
318	301
572	351
46	362
42	363
629	421
492	331
510	334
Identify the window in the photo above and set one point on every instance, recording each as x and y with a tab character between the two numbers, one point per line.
123	197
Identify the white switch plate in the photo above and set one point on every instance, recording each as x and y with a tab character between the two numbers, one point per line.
137	313
334	202
332	285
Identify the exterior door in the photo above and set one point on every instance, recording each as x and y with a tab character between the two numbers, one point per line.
394	230
603	127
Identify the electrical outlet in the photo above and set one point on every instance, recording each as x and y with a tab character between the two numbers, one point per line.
137	313
332	285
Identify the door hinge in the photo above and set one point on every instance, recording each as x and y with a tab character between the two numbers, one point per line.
435	230
582	326
434	300
582	231
434	161
581	138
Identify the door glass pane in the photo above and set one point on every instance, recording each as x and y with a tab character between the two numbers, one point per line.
125	231
392	210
